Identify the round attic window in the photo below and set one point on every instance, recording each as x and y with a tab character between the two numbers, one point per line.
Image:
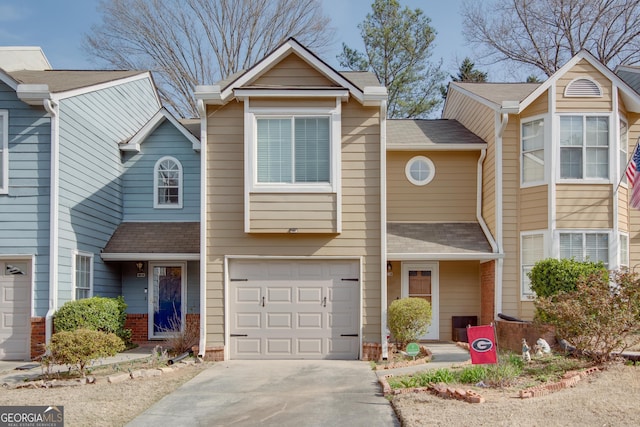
420	170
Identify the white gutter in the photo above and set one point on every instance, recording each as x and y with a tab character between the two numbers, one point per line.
202	345
483	224
53	109
383	230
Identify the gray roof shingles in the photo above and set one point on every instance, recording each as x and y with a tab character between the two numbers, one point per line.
64	80
428	132
155	237
436	238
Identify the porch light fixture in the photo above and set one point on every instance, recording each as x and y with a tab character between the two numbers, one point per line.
140	267
389	267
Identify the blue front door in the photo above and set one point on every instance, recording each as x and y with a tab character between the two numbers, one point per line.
166	302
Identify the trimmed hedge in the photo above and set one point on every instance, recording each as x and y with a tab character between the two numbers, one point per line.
408	319
81	346
96	313
552	276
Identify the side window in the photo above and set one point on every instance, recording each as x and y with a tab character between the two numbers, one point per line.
532	152
531	251
623	151
4	151
83	275
624	251
167	183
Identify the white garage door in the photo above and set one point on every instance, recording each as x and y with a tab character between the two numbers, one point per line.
294	309
15	309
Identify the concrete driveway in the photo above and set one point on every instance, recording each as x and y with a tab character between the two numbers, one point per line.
276	393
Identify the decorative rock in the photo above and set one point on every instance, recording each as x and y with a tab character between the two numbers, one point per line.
118	378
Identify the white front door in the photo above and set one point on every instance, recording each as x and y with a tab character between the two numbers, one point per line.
15	309
167	295
420	280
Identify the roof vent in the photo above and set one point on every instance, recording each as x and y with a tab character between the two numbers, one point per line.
583	88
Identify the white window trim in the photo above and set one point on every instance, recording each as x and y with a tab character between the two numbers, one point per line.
545	148
611	159
73	272
428	179
619	255
334	114
622	179
4	152
545	254
609	232
157	205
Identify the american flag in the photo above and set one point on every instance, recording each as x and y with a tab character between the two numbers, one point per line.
632	174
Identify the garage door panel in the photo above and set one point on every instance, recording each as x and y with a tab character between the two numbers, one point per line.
279	320
310	321
279	346
307	305
310	295
279	294
248	320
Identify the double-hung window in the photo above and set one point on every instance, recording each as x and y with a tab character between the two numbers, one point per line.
584	147
624	250
293	150
532	151
623	150
167	183
83	275
531	251
585	246
4	151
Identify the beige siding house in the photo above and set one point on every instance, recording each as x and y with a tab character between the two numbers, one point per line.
318	212
292	210
552	175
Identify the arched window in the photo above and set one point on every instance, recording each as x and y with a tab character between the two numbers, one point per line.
167	183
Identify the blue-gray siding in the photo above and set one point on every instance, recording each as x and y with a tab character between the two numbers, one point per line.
24	212
138	177
91	126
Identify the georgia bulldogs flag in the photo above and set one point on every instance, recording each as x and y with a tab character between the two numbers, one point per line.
482	344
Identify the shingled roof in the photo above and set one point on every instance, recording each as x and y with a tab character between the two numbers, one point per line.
499	92
155	237
407	132
64	80
438	239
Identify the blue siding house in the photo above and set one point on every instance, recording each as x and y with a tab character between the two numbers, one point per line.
73	144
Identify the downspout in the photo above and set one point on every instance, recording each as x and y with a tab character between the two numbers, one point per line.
383	228
52	108
503	121
202	345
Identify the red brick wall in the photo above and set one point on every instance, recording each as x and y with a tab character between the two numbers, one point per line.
139	325
510	334
487	292
38	337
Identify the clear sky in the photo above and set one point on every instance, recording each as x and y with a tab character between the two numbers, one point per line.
58	26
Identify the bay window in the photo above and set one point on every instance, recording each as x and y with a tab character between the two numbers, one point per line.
584	147
532	151
585	246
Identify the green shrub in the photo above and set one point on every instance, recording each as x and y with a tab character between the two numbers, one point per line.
551	276
408	319
472	374
596	318
96	313
81	346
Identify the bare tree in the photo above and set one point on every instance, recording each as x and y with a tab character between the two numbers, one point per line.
193	42
546	33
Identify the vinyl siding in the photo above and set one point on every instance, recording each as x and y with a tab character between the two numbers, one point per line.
292	71
582	104
459	292
225	211
91	126
583	206
280	212
451	196
534	208
480	120
138	177
510	194
24	211
537	107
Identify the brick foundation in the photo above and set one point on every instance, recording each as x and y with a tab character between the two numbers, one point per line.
372	351
510	334
213	354
487	292
139	325
38	337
